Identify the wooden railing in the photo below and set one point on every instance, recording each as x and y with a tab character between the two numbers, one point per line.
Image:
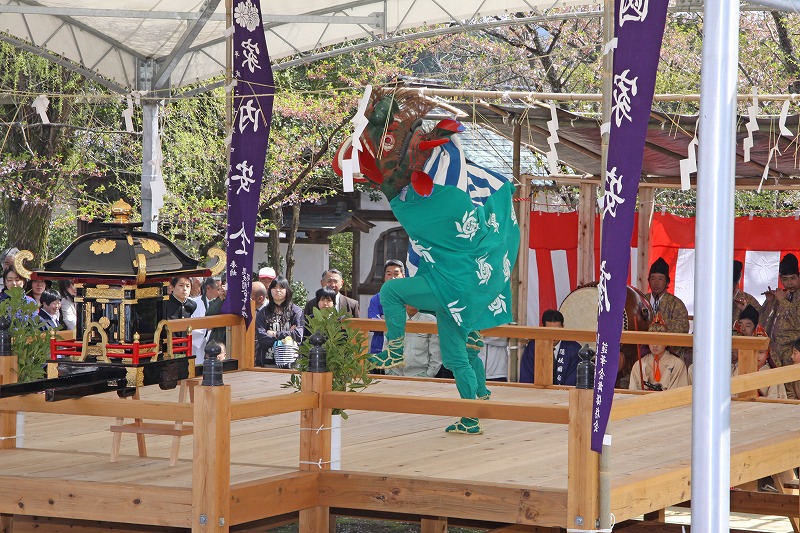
213	412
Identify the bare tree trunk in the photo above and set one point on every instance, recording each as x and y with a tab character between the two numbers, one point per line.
292	237
27	227
790	60
274	241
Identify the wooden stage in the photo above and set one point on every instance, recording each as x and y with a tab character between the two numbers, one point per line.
532	466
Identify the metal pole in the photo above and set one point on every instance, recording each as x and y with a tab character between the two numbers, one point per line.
714	268
151	170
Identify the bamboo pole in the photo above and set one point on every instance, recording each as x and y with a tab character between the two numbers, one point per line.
576	97
646	207
519	276
656	182
586	230
604	474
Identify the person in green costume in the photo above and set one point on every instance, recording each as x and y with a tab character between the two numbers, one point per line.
462	229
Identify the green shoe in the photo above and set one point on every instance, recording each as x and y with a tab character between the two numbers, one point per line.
391	357
486	396
474	343
465	426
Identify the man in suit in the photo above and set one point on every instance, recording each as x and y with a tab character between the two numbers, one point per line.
392	269
332	279
565	355
212	297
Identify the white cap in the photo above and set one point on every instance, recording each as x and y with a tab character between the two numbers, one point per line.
267	273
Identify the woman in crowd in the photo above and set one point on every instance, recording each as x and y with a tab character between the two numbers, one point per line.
12	279
7	260
69	316
325	298
35	287
280	323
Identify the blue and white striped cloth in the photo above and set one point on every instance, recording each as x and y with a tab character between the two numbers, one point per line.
448	165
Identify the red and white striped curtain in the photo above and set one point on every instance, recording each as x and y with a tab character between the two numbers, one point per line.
759	243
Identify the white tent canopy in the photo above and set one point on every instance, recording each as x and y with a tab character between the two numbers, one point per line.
157	44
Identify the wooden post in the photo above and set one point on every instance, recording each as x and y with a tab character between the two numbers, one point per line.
656	516
246	351
584	465
543	362
779	480
315	447
646	207
8	419
586	223
747	365
242	343
434	525
211	470
8	424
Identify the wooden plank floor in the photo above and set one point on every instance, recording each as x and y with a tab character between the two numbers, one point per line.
515	453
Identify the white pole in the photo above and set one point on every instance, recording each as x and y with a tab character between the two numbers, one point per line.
714	268
152	182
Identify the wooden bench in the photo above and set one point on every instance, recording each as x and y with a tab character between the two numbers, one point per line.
140	428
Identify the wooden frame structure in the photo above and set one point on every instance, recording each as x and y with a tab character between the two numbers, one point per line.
215	491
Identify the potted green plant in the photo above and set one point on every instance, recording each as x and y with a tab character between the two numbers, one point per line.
28	342
345	348
347	360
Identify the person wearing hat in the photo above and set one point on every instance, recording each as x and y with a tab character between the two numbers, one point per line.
670	307
780	315
392	269
266	275
742	299
747	322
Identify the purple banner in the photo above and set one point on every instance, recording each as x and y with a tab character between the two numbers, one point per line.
252	104
639	29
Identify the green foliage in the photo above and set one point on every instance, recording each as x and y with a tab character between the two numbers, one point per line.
42	166
341	256
63	230
28	342
346	352
299	293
